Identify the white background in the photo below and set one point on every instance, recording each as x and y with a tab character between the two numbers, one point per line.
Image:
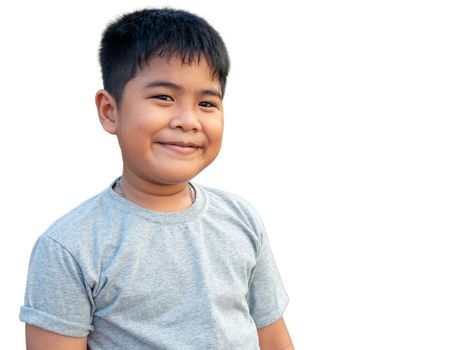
345	126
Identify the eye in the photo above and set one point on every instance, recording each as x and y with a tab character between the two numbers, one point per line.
163	98
207	104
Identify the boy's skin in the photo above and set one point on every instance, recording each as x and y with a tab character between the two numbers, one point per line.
169	124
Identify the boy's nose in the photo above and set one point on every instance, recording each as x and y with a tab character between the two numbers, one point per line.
185	119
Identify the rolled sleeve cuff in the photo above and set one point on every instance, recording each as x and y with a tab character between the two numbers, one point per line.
52	323
273	316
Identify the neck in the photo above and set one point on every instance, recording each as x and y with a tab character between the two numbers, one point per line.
156	196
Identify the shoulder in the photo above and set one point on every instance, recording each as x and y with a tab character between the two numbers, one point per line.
74	227
224	203
222	198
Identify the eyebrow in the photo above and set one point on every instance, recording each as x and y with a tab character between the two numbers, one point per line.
170	85
163	83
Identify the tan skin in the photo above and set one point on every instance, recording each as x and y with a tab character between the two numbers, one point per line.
40	339
165	104
164	108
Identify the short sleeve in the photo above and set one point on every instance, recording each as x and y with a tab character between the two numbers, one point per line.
56	296
267	298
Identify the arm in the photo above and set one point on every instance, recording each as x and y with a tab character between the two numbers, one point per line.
40	339
275	337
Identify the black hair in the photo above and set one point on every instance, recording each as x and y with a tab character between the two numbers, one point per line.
132	40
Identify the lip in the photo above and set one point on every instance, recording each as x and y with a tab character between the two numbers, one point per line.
184	148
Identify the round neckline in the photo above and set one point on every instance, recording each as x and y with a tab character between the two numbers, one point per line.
159	216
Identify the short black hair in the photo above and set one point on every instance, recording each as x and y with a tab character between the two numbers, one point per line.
132	40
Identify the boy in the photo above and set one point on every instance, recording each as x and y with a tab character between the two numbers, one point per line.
154	261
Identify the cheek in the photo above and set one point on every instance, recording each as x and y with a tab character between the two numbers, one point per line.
136	138
142	126
214	130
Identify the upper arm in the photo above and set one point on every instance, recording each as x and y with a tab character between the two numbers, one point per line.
40	339
275	337
57	297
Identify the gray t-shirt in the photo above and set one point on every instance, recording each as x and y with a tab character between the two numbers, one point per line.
132	278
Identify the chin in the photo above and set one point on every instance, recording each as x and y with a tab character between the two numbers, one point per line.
174	178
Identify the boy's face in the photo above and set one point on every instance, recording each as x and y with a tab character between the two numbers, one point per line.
170	121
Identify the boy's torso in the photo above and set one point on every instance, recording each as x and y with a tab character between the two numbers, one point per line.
166	281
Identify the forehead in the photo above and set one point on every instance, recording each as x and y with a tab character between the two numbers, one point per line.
195	70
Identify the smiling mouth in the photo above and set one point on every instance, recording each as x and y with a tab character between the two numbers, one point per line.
180	144
182	148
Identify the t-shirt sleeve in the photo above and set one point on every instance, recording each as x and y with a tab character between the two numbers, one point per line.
56	296
267	298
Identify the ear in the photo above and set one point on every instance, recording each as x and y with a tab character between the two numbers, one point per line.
107	110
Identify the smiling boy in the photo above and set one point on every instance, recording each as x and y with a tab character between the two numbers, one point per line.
155	261
169	126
